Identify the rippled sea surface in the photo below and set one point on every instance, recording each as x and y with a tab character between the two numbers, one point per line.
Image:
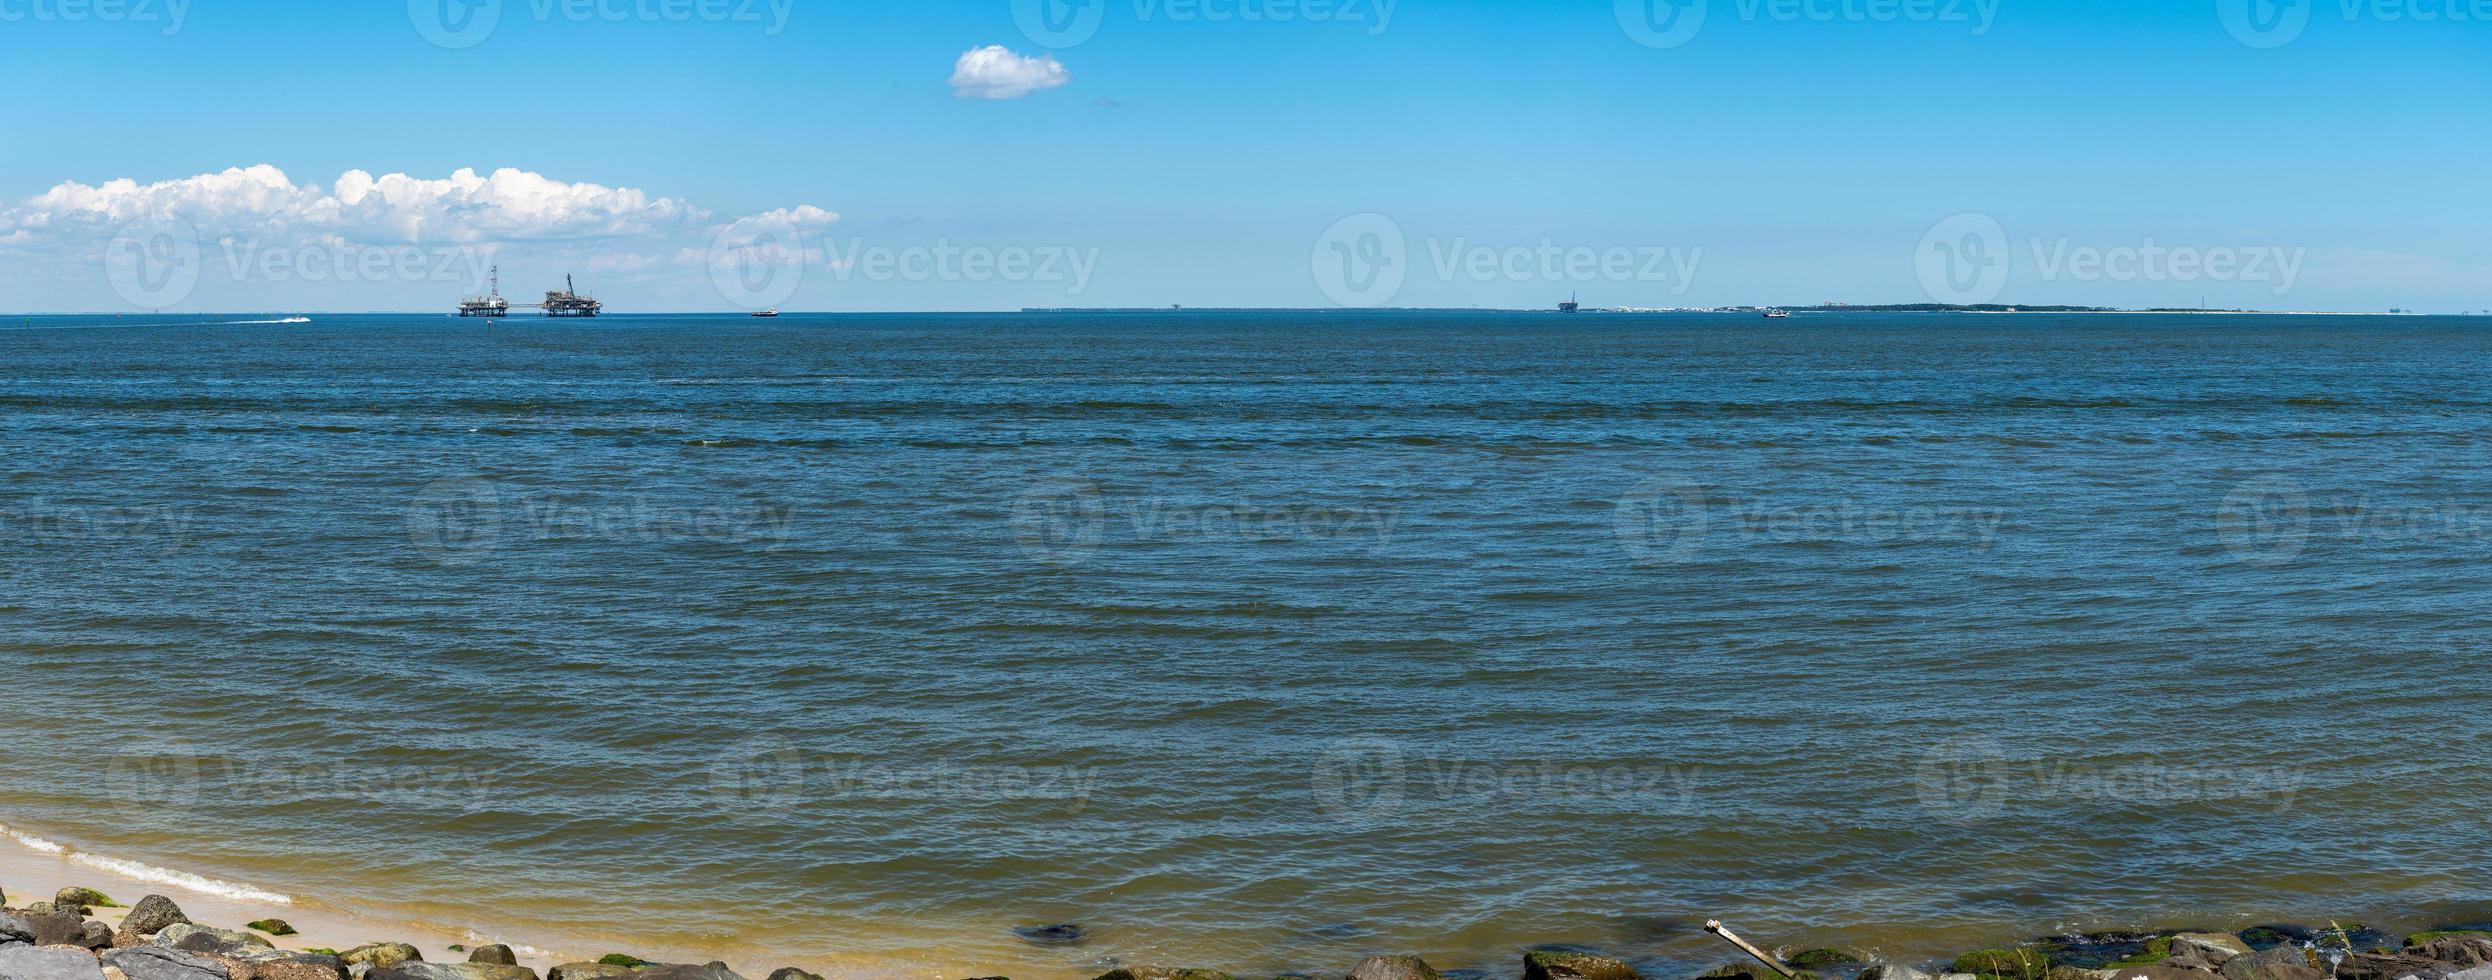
1260	641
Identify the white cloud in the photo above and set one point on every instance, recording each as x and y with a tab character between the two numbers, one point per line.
994	72
509	205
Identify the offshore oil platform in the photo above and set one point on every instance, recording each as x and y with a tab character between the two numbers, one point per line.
564	302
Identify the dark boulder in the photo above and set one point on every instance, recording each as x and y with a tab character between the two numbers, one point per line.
2276	963
497	954
2161	971
190	938
1554	965
586	971
420	970
48	963
1059	935
41	928
792	973
380	955
1393	968
1820	959
1162	973
273	927
160	963
2461	950
152	914
680	971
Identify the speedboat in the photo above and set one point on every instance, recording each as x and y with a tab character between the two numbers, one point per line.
769	312
1777	314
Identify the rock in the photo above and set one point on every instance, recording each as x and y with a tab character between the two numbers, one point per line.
1891	971
2188	960
94	936
2274	963
2015	964
2456	949
792	973
48	963
83	896
2477	973
1167	973
125	939
1819	959
1063	935
152	914
380	955
496	954
420	970
303	966
159	963
1390	968
707	971
2213	947
586	971
41	928
2162	972
2076	973
1751	970
1542	964
273	927
2379	965
193	938
624	959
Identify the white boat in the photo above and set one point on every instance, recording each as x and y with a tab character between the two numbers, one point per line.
1777	314
769	312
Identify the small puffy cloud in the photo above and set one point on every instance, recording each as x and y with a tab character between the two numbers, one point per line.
994	72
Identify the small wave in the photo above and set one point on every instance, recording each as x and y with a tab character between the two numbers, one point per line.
146	872
180	879
31	842
291	319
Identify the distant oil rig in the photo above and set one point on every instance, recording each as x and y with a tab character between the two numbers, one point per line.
564	302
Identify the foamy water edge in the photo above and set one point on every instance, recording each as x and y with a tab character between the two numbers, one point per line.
146	872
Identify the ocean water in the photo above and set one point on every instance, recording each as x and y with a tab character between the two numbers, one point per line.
1258	641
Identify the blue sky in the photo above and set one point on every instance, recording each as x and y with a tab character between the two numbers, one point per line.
1787	152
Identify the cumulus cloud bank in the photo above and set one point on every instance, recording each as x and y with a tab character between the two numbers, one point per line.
508	205
994	72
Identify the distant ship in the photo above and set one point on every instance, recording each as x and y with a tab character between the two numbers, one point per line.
773	311
1777	314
